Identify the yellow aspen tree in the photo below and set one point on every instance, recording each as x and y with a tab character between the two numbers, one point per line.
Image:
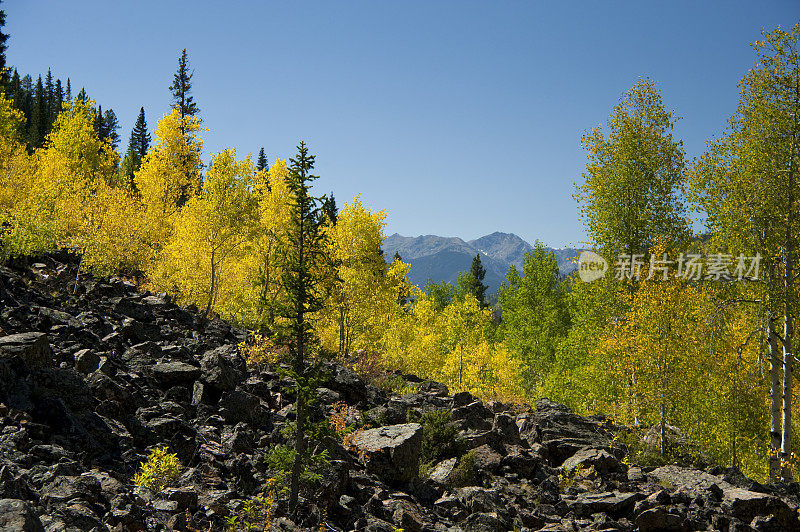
168	171
209	235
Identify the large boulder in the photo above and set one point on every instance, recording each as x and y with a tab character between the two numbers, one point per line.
223	368
32	347
391	452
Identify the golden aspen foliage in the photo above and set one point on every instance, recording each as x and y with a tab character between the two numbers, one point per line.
209	237
70	170
455	347
169	174
366	294
260	278
17	171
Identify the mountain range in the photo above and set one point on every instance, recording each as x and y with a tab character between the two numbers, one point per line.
442	258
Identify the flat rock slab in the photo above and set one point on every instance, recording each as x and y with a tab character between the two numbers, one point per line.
32	347
391	452
614	503
175	372
672	477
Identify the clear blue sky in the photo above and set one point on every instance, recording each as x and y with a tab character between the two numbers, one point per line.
459	118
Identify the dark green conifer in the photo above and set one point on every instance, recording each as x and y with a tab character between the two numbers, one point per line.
37	125
3	48
182	87
262	163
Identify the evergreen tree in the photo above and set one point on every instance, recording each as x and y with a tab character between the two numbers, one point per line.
140	138
49	95
58	100
182	87
82	96
138	145
302	281
474	281
68	91
37	124
329	209
110	127
3	48
262	163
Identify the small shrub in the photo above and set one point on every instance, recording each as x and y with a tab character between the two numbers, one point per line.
440	437
578	476
465	473
261	352
160	469
255	514
280	459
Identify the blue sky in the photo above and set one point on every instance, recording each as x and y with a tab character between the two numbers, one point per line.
460	118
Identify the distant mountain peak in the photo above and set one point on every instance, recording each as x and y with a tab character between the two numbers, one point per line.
441	258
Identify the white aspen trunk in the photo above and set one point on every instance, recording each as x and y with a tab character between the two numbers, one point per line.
776	395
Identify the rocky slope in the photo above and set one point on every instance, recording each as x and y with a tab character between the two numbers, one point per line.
90	382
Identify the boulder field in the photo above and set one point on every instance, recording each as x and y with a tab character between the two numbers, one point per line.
94	376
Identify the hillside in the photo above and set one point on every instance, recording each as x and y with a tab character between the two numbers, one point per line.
442	258
90	383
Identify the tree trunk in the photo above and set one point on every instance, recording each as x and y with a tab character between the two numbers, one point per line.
775	403
213	285
788	329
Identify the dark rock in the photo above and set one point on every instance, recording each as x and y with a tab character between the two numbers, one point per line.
223	368
660	519
32	347
602	461
175	372
237	406
391	452
18	516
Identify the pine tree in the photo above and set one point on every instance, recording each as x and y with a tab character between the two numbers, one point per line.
37	124
302	281
182	87
68	91
476	275
262	163
138	145
110	126
82	96
140	138
49	95
329	209
3	48
58	100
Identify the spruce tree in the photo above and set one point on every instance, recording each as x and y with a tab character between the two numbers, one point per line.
477	273
68	91
182	87
138	145
82	96
302	281
3	48
329	209
110	127
58	100
37	125
49	96
262	163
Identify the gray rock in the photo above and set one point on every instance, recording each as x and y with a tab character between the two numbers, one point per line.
391	452
441	472
32	347
660	519
223	368
18	516
175	372
613	503
86	361
746	505
602	461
